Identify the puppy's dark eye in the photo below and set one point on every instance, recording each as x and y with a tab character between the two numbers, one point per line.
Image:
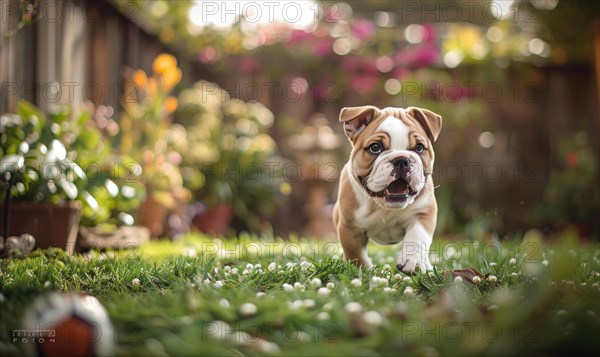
375	148
419	148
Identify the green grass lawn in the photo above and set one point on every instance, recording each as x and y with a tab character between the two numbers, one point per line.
202	296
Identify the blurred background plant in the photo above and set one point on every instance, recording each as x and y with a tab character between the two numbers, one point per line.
146	136
570	184
229	160
63	156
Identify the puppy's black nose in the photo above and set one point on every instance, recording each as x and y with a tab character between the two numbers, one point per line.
401	162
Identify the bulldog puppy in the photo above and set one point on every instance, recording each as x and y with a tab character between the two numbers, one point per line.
386	190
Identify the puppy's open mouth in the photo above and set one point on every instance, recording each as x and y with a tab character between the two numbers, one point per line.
397	190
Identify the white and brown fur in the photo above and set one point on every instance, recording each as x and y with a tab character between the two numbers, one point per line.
361	213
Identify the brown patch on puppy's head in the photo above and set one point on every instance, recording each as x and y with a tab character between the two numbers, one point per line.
355	119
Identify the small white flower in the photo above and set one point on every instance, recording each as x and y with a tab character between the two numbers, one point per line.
247	272
389	290
206	281
595	285
309	303
373	318
450	252
387	266
514	274
227	268
378	281
296	304
356	282
287	287
248	309
476	280
492	278
47	284
545	262
224	303
272	267
305	265
234	271
458	279
323	316
409	291
298	286
407	280
218	284
353	307
512	261
135	282
249	266
323	291
493	264
290	265
316	283
398	277
328	306
583	284
257	266
260	294
431	275
330	286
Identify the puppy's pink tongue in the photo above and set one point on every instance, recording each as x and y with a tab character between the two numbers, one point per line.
398	187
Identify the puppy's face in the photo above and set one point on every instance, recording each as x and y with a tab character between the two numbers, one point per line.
392	152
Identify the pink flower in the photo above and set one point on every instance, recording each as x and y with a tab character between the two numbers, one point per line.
298	36
323	47
363	29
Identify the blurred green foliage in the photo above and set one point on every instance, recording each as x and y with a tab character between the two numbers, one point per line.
227	153
62	155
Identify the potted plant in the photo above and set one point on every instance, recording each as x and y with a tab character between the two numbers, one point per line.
147	135
38	173
114	186
229	160
58	172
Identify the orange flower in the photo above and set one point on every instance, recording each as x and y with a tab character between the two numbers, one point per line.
170	78
152	87
163	62
140	78
171	104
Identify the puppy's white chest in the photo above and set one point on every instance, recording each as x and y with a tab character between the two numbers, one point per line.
382	226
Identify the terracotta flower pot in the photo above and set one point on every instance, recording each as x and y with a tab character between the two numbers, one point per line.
153	215
52	225
214	220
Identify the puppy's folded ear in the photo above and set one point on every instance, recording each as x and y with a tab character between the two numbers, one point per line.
430	121
355	119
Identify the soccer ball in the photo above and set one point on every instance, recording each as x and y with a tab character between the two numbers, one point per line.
71	324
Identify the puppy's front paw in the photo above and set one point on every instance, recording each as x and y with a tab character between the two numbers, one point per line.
408	262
